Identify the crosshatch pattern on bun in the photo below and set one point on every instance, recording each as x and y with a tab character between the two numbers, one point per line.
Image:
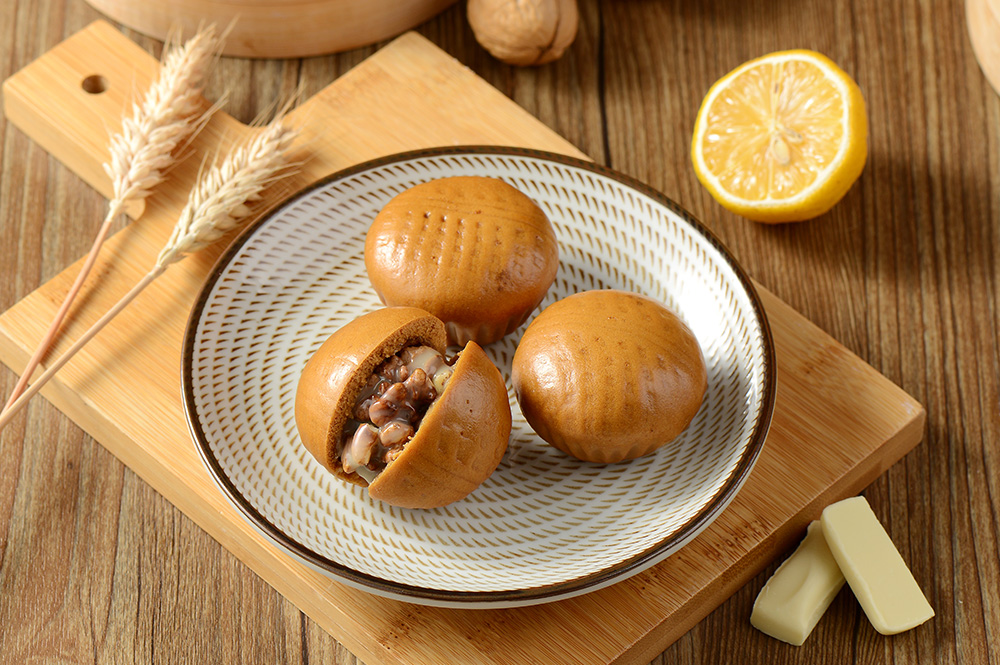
474	252
608	375
544	525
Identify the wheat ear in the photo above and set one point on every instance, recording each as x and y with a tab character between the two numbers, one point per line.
142	153
217	204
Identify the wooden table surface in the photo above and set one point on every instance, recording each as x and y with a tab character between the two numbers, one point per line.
96	567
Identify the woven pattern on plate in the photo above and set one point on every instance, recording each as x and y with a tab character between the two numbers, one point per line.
542	518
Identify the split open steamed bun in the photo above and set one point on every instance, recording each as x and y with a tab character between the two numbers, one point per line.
379	405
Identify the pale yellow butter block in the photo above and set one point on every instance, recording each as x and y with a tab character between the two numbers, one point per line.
873	567
793	600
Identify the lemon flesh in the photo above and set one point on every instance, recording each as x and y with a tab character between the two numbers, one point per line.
781	138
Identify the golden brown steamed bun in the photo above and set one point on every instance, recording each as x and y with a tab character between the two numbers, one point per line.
473	251
458	442
608	375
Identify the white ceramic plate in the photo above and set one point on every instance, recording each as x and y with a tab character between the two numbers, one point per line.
544	526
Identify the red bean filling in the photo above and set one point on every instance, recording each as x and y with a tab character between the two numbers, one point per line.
389	410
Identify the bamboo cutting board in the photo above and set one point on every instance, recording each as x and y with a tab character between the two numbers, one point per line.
837	424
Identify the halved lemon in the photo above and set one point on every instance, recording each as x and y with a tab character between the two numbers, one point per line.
781	138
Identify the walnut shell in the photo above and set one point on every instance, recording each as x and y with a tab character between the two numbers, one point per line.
524	32
462	437
474	252
608	375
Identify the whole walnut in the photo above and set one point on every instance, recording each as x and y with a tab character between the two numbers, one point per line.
524	32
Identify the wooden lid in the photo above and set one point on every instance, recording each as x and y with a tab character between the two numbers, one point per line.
277	28
983	18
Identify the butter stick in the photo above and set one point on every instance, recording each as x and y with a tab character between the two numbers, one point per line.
793	600
873	567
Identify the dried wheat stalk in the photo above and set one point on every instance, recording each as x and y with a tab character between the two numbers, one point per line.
219	203
143	151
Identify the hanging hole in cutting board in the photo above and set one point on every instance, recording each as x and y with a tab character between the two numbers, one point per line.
94	84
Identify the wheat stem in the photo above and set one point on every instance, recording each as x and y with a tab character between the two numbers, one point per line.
50	334
141	153
19	403
216	205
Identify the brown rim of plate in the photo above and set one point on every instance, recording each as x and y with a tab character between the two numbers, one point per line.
536	594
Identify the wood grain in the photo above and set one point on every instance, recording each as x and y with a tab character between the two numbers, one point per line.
96	566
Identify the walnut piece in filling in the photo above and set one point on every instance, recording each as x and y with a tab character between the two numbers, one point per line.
390	407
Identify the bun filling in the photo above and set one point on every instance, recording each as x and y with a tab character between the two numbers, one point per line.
390	407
